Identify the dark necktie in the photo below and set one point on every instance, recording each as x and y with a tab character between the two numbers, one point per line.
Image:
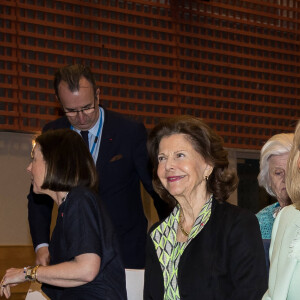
85	136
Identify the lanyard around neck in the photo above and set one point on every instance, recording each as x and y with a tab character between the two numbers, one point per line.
98	132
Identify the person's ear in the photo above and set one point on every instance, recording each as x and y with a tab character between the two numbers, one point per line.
58	100
208	170
97	96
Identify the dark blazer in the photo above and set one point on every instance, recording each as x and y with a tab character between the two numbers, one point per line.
225	261
122	163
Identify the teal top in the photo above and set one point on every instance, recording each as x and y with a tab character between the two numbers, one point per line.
266	218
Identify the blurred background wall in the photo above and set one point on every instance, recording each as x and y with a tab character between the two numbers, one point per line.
236	64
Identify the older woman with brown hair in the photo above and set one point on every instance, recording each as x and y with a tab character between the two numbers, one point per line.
85	261
206	248
284	253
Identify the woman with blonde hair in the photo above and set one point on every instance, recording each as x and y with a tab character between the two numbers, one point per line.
284	275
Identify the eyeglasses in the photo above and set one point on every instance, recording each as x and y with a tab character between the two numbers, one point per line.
86	111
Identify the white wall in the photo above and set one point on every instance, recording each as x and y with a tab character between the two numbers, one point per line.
15	151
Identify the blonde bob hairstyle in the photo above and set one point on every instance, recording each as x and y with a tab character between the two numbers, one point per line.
293	170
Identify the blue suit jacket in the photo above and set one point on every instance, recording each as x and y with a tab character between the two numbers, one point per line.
122	163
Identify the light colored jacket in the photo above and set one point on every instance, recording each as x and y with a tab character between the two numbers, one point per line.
284	277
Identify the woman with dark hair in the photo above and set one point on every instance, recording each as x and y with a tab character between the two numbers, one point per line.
85	261
206	248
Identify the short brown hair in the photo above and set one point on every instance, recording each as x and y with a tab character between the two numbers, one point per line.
72	74
293	171
222	181
68	161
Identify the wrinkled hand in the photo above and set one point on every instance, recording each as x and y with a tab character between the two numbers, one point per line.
12	277
42	256
5	290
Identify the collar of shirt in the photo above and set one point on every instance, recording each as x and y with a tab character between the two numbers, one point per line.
93	131
94	144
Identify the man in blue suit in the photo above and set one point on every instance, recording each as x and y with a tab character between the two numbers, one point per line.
118	147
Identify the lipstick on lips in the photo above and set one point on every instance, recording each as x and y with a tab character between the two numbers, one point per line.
174	178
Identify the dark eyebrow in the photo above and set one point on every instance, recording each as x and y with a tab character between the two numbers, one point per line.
90	104
73	109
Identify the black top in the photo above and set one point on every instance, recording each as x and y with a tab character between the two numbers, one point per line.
82	227
122	165
225	261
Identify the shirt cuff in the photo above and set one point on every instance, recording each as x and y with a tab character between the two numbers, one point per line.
40	246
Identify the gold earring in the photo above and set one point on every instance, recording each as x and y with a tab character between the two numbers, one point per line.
206	178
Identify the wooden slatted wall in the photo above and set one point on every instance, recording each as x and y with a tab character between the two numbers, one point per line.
234	63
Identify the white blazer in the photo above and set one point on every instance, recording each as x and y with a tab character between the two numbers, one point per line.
284	276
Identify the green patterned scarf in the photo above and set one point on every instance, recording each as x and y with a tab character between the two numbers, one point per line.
169	251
